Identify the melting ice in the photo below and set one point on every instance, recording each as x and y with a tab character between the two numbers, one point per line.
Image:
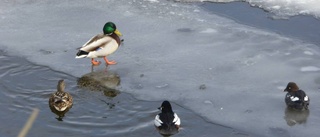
282	8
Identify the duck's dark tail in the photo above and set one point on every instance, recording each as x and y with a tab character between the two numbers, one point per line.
82	54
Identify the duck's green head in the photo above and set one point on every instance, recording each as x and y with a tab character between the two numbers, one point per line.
110	28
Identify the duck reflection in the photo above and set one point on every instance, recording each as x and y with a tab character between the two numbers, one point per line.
293	116
60	102
105	81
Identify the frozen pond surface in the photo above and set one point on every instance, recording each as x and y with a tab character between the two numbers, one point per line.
228	73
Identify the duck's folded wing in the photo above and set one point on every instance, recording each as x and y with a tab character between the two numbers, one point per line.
94	38
94	43
70	99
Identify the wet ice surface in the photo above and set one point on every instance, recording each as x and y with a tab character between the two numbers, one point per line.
25	86
282	9
303	27
225	72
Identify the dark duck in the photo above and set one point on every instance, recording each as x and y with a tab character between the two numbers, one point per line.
296	98
167	122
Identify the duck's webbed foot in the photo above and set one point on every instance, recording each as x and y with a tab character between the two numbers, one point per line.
59	118
109	62
95	63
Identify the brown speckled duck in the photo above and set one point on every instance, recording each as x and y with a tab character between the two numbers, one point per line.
296	98
60	102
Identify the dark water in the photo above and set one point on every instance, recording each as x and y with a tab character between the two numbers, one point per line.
25	86
305	28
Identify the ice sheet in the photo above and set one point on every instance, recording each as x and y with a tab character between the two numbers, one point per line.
230	74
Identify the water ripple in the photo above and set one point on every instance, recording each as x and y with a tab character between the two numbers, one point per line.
26	86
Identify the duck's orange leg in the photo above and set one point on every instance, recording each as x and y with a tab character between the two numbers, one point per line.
95	63
109	62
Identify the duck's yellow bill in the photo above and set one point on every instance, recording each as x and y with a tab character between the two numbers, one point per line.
118	32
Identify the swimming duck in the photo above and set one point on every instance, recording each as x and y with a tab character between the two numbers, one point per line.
60	102
167	122
101	45
296	98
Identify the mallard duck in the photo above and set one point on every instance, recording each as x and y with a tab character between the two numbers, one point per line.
101	45
296	98
167	122
60	102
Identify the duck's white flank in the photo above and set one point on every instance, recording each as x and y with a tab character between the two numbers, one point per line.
176	119
105	46
157	121
294	98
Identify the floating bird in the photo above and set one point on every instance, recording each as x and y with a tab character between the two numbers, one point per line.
102	45
60	102
296	98
167	122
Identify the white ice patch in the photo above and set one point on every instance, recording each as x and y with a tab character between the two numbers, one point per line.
281	88
209	30
276	7
153	1
308	53
162	86
309	69
208	102
280	7
287	53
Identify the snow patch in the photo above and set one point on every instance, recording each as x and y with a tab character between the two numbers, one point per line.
209	30
308	53
309	69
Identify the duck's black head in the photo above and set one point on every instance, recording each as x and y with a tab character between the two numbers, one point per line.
291	87
166	107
